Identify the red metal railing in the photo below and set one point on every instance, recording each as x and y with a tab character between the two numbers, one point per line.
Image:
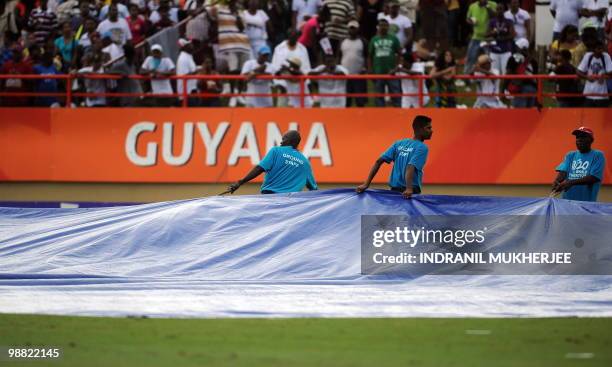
68	95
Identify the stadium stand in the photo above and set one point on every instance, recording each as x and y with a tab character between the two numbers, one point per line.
441	41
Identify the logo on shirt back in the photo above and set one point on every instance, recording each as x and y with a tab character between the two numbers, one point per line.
292	161
405	151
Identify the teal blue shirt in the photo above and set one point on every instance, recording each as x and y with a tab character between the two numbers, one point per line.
66	49
403	153
578	165
287	170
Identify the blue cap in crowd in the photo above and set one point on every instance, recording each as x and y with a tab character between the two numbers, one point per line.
265	50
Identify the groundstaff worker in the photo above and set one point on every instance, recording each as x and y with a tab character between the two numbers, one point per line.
287	170
408	157
580	174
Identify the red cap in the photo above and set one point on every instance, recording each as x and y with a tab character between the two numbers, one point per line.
583	129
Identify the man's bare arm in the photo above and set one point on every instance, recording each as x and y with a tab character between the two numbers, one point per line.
566	184
373	172
256	171
409	178
561	175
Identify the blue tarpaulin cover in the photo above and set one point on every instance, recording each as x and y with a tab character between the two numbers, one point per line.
286	255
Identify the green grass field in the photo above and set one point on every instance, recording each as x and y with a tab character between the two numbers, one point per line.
312	342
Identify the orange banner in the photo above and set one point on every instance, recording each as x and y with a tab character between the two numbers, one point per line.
220	145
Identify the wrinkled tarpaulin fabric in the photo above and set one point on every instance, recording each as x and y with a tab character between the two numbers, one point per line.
269	256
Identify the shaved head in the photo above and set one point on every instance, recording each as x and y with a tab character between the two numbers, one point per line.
292	138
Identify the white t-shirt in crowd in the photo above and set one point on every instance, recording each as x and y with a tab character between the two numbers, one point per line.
304	8
140	3
114	51
153	5
593	65
255	25
85	42
488	86
258	85
155	17
163	65
353	57
119	30
332	86
412	86
186	65
519	19
282	53
97	86
567	13
122	9
594	5
397	26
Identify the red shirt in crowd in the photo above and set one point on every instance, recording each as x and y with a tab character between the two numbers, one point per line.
16	85
528	5
138	27
309	31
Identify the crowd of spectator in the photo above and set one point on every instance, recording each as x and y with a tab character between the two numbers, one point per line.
162	38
